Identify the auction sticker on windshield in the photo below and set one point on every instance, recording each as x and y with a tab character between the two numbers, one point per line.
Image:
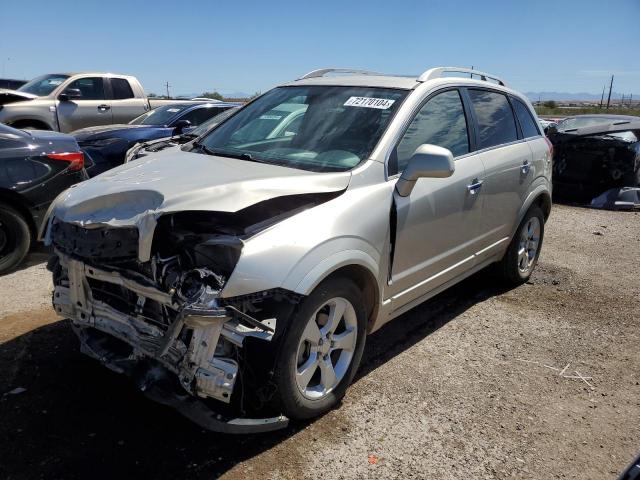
369	102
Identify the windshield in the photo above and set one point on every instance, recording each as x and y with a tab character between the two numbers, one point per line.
43	85
212	122
160	115
317	128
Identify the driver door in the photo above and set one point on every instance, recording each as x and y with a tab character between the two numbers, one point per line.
91	108
438	224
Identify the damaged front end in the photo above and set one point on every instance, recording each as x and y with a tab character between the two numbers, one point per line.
163	322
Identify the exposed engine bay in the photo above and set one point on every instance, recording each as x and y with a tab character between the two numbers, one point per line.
163	322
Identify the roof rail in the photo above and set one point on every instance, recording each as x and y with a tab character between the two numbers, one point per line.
323	71
438	71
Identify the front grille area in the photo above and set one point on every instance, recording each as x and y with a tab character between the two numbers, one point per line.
105	243
127	303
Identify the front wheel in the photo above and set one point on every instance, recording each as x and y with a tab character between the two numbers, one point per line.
321	350
521	258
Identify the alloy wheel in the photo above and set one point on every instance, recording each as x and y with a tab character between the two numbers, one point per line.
326	348
528	246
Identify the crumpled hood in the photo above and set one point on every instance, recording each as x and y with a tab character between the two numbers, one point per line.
138	193
11	96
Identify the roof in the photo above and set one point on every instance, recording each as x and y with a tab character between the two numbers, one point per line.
361	78
382	81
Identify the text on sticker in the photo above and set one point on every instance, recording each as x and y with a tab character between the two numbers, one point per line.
369	102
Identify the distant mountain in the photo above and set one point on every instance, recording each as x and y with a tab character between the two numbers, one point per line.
559	96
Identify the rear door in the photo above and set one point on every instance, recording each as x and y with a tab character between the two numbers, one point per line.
507	162
90	109
124	103
438	224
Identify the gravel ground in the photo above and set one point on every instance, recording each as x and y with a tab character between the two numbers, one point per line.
479	382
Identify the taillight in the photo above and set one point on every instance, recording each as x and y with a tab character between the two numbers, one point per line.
550	146
75	159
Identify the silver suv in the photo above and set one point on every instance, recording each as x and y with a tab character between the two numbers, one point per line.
236	278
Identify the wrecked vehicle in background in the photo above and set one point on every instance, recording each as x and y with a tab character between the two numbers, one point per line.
597	160
235	278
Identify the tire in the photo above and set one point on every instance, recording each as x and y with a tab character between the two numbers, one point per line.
15	238
510	268
330	296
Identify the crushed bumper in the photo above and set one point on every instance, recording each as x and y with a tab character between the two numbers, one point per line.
176	365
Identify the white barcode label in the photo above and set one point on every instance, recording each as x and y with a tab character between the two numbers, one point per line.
369	102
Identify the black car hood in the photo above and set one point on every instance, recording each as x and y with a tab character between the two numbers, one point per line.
108	131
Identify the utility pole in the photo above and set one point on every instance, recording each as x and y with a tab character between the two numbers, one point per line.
610	87
167	85
622	101
602	97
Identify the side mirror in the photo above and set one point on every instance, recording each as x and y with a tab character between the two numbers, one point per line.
551	130
427	161
70	94
180	125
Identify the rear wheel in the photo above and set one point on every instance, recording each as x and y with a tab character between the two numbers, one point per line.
521	258
321	350
15	238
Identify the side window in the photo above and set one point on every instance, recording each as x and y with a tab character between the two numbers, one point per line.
441	121
121	89
91	88
496	124
527	123
199	115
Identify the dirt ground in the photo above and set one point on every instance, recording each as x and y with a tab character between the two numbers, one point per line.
479	382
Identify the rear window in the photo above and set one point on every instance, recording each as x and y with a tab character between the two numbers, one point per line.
496	124
121	89
527	123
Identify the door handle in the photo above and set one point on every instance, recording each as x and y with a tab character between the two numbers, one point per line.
104	107
526	166
474	187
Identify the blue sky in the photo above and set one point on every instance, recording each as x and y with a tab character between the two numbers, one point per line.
249	46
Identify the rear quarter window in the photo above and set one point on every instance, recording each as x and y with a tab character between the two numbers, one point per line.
527	123
496	123
121	89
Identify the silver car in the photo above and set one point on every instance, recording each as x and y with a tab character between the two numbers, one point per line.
236	278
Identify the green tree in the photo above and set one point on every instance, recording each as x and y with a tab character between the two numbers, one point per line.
213	95
549	104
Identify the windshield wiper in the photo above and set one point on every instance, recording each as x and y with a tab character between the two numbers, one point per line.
222	153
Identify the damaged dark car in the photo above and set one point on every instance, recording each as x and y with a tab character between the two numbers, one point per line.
597	160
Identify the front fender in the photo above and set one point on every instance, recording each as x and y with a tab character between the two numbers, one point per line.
325	263
299	252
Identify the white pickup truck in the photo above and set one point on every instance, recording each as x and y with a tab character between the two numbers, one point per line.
68	101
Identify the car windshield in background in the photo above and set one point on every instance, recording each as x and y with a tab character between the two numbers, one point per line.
43	85
213	121
317	128
159	116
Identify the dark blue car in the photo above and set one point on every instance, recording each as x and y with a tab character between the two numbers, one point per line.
105	146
